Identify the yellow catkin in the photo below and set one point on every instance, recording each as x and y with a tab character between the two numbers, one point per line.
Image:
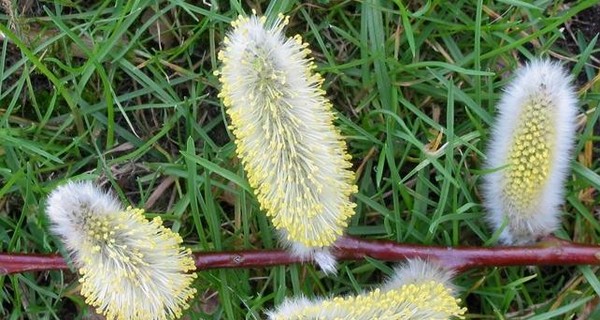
529	157
529	153
417	290
131	268
427	300
294	157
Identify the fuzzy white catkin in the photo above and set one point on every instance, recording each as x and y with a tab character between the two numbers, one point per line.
418	290
529	153
131	268
295	159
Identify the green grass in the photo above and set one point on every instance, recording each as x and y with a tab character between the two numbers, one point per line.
143	117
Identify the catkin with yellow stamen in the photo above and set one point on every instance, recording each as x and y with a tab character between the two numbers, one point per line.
294	157
530	151
418	290
131	268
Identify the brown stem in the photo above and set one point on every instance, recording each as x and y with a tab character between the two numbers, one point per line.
21	262
549	252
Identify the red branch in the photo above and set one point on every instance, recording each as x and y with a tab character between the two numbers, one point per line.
549	252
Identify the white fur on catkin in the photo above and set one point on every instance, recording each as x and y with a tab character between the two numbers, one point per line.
418	290
130	268
294	157
530	150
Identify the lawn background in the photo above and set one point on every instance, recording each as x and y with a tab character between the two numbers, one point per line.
123	93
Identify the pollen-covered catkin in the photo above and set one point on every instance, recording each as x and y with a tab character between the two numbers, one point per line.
131	268
529	153
294	157
418	290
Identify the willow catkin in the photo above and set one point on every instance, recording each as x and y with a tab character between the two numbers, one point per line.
418	290
131	268
530	151
294	157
